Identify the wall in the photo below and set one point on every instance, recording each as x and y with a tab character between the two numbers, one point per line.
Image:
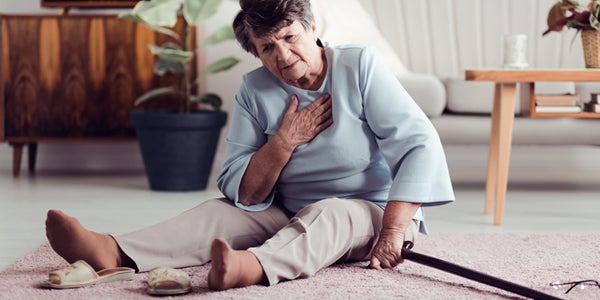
445	37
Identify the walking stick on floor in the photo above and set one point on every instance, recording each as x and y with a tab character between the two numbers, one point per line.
471	274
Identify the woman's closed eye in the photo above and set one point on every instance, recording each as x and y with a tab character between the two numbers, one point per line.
290	38
267	48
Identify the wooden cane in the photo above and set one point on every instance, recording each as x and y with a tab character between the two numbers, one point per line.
472	274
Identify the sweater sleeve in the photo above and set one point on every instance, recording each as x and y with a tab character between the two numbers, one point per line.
245	138
406	137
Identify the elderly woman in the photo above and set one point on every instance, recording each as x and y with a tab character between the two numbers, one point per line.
328	159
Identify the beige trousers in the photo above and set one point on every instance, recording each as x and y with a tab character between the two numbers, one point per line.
328	231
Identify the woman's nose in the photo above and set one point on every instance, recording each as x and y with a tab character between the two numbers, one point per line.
282	52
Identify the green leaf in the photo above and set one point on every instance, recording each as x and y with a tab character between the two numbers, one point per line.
212	99
594	15
196	11
163	66
172	52
219	66
222	34
169	90
158	12
163	30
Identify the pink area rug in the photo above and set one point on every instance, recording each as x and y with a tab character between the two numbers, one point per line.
529	260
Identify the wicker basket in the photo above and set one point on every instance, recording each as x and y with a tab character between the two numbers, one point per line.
591	48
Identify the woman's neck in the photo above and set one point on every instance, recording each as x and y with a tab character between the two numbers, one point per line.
320	74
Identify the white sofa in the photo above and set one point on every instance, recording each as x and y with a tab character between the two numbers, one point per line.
439	40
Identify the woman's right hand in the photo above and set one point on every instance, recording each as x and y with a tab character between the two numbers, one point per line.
297	128
300	127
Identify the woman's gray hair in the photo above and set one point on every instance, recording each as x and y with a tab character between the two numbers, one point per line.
260	18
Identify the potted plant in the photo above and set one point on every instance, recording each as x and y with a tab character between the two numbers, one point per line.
178	146
584	18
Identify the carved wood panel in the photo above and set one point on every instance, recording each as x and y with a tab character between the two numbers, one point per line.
75	76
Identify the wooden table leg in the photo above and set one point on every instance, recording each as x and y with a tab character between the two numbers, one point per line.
501	139
17	154
32	156
492	172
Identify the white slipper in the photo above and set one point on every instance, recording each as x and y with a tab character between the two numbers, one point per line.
80	274
168	281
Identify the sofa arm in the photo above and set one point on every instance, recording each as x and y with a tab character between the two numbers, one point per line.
427	90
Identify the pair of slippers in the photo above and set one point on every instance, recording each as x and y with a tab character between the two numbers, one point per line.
161	280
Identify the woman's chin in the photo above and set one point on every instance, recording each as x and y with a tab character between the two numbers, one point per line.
291	76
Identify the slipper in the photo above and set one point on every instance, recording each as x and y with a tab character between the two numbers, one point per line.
80	274
168	281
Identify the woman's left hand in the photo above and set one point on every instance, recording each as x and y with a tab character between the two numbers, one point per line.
397	217
388	250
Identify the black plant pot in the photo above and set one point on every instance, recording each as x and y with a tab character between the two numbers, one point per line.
178	149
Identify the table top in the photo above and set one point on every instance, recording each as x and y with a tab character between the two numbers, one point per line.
532	75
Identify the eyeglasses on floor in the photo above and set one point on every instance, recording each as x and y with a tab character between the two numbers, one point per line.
582	284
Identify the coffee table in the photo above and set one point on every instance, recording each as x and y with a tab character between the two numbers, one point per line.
503	116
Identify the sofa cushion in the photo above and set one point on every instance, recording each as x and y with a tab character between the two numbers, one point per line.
457	129
554	88
427	91
347	22
477	97
472	97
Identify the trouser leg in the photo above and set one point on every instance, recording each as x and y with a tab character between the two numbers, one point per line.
185	240
319	235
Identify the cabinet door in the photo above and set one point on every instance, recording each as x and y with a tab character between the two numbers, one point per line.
76	76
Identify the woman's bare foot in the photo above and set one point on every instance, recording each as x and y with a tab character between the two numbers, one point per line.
73	242
232	268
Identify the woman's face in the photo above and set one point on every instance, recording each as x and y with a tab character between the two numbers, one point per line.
292	55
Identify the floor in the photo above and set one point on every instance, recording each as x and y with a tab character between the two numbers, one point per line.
551	190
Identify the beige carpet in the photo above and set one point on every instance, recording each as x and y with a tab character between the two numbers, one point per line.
529	260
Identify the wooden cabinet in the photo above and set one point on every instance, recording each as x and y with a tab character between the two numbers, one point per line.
69	78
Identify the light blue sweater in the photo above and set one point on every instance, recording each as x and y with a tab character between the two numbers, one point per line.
380	147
